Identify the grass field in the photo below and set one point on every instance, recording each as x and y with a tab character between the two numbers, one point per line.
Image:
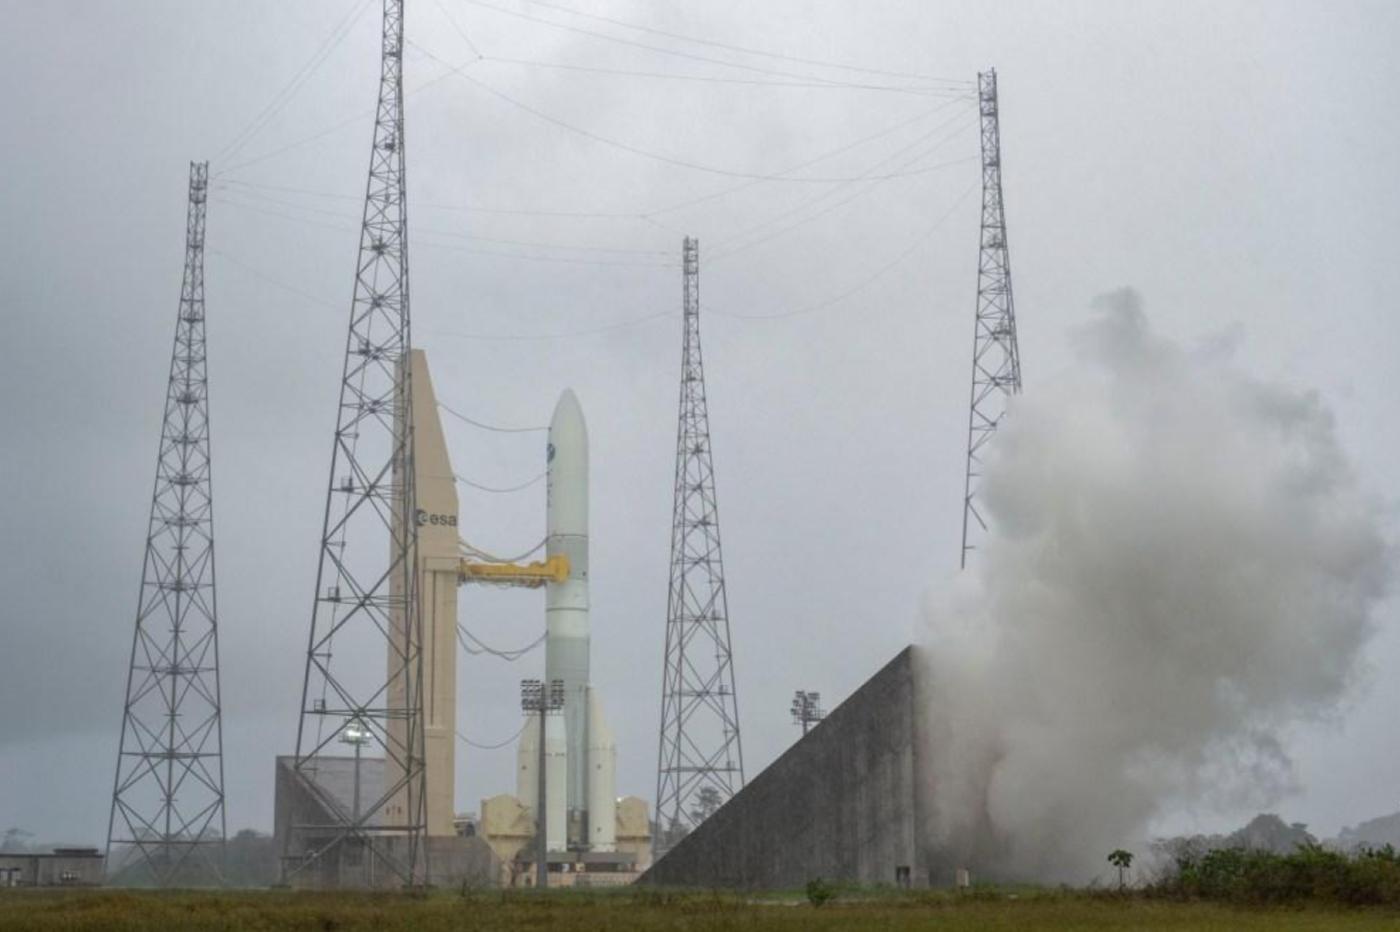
72	910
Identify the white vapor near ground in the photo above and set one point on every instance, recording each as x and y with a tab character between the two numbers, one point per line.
1181	565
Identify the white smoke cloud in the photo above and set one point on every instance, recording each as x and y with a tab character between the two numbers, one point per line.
1182	564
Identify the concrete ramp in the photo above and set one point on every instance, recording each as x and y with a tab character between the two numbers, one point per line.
842	804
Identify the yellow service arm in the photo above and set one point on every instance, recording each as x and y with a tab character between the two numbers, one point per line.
528	575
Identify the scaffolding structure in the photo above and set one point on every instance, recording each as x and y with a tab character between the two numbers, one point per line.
366	606
167	821
996	361
700	760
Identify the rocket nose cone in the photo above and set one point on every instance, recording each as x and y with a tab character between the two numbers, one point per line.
566	408
568	418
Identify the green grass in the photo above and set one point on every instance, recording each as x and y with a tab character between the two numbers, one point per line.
74	910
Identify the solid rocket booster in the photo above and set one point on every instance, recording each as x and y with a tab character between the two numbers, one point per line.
555	768
566	603
602	779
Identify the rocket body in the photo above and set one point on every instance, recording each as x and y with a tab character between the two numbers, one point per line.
581	754
566	603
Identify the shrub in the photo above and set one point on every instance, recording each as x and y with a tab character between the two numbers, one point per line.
819	891
1309	873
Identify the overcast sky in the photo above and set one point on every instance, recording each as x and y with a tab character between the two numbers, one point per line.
1233	162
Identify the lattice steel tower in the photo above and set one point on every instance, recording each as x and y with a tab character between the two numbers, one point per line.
700	763
168	794
366	606
996	362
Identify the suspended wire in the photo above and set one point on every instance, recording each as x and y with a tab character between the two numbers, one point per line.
674	52
831	153
288	91
431	244
482	648
710	79
568	334
465	336
457	27
565	260
635	150
493	747
486	488
865	283
859	192
647	216
492	427
453	234
322	133
893	157
747	50
420	205
822	213
273	281
489	557
850	292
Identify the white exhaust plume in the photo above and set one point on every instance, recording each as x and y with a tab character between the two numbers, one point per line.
1181	564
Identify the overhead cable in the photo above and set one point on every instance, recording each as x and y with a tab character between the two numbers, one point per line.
747	50
647	216
489	557
712	79
420	204
847	293
418	240
453	234
486	488
646	153
482	648
659	48
288	91
567	334
869	184
491	427
498	745
326	131
458	28
830	153
272	281
864	283
726	249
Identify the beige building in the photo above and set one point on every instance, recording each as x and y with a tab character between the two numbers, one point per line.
439	568
507	825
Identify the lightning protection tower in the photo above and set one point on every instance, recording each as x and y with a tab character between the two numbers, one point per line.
167	816
364	660
996	362
700	763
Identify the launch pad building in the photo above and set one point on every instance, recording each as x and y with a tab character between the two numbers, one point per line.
584	818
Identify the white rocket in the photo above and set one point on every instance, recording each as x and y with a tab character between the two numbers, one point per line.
581	805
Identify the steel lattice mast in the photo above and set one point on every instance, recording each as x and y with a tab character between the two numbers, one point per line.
366	605
701	762
996	361
168	794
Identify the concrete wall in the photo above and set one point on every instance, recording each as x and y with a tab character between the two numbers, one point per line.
843	803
